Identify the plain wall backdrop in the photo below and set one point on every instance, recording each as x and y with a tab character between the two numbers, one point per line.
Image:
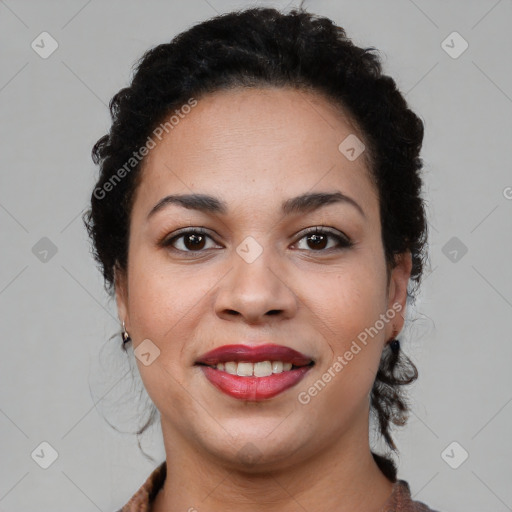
56	316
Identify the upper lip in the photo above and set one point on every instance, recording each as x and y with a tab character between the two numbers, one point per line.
254	354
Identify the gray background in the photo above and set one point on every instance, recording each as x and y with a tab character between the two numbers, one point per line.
55	315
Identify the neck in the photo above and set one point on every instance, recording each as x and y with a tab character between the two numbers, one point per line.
342	477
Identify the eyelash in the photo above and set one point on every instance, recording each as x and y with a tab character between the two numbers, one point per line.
343	241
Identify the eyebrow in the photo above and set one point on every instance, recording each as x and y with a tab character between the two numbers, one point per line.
295	205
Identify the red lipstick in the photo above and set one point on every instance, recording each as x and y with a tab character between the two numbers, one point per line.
251	387
268	352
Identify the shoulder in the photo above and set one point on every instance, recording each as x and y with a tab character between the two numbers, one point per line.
145	495
401	500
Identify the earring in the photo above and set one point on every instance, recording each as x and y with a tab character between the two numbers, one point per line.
125	335
394	344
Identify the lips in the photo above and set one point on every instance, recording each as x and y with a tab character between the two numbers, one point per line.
245	353
254	388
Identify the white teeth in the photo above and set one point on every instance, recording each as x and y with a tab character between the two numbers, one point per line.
263	369
230	367
260	369
245	369
277	367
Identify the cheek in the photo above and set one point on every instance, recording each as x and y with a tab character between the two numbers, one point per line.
346	309
347	301
163	303
346	306
164	308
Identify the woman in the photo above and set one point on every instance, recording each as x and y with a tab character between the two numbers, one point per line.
258	217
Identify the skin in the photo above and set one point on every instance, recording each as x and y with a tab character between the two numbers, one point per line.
254	148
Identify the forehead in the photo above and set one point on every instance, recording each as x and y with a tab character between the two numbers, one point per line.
257	141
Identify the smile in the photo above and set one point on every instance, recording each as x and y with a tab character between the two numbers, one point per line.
254	372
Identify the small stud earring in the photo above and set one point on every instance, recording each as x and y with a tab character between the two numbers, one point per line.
125	335
394	344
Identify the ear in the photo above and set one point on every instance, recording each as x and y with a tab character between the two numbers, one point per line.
397	295
121	288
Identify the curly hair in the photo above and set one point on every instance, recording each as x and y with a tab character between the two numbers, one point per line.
262	47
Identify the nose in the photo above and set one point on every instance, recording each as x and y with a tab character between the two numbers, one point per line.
255	291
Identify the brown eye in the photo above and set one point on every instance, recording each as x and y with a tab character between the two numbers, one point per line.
191	240
194	242
318	239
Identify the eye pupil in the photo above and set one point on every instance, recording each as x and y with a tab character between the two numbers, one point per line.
317	238
195	245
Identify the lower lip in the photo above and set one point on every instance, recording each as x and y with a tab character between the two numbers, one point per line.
254	388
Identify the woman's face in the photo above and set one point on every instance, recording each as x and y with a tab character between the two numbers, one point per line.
255	276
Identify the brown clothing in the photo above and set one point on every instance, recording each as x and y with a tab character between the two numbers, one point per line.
399	501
